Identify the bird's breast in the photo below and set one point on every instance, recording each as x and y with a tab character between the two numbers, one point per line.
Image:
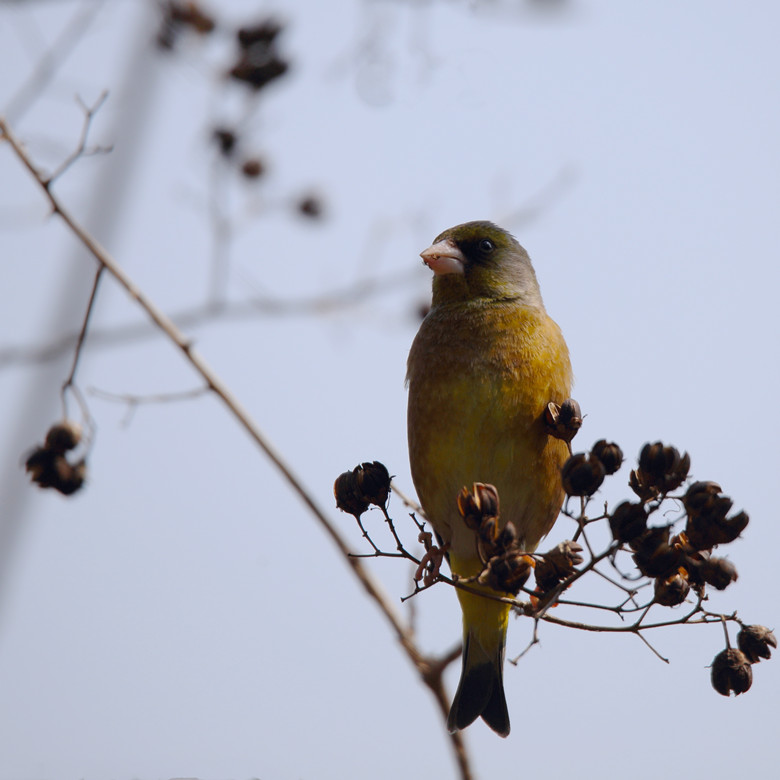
479	381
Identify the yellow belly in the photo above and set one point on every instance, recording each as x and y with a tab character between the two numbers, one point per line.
476	415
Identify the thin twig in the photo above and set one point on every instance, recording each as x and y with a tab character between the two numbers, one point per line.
68	384
81	149
48	63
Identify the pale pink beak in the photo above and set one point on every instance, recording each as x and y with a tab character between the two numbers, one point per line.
444	258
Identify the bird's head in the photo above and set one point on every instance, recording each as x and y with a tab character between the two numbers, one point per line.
480	260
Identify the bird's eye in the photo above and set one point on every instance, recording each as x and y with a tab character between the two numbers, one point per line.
486	245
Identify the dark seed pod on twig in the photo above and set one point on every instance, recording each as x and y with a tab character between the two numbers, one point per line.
628	521
507	572
348	498
610	455
582	475
366	484
671	591
755	642
557	564
707	524
653	555
373	482
718	572
563	421
63	436
478	505
661	470
731	672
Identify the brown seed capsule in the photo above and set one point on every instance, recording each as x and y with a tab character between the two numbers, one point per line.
508	572
189	14
252	168
557	564
755	641
310	206
731	672
63	436
257	74
373	482
226	140
262	33
653	555
72	477
348	498
508	537
50	469
662	467
478	505
563	421
640	483
40	465
582	475
628	521
610	455
699	496
671	591
707	524
718	572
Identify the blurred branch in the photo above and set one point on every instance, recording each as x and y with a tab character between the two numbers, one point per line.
51	60
336	300
134	401
430	670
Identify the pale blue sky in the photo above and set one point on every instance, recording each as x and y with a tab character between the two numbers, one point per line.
184	616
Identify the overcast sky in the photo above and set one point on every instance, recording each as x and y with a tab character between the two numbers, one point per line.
184	616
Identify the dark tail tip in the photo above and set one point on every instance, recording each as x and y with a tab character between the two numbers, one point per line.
480	693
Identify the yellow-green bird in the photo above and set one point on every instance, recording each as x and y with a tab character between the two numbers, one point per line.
483	367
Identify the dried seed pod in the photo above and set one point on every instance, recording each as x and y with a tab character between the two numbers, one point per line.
699	496
755	642
661	468
508	537
373	482
673	590
718	572
226	140
72	477
263	33
252	168
49	469
731	672
653	555
557	564
707	524
258	73
628	521
310	206
348	498
582	475
610	455
639	482
507	572
564	421
478	505
63	436
189	14
41	467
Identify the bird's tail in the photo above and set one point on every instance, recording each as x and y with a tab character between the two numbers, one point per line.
481	688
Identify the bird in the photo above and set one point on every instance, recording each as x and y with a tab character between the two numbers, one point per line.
482	369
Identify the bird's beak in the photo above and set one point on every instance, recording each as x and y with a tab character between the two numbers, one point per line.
444	258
